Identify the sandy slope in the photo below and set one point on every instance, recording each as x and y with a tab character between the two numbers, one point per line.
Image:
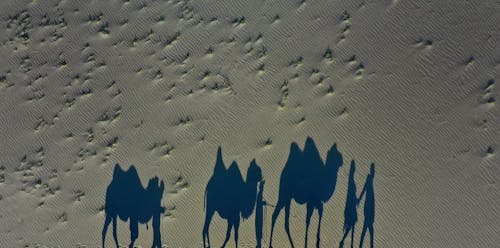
409	85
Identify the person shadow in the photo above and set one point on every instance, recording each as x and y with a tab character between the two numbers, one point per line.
127	199
260	212
230	196
369	208
351	204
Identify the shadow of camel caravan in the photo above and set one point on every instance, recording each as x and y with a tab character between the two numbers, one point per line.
230	196
127	199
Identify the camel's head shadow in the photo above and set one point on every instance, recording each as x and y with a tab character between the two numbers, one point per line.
334	158
155	192
333	163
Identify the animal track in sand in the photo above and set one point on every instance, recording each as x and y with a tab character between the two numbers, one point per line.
424	43
357	67
179	185
238	22
267	144
109	116
330	90
20	26
62	218
276	19
469	62
78	195
343	113
328	56
316	77
284	94
2	175
162	149
489	151
296	62
4	82
487	97
345	24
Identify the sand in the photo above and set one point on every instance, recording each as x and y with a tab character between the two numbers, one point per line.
408	85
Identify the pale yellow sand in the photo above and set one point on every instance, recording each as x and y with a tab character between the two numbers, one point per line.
161	84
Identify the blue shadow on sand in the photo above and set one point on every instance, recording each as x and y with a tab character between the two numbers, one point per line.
307	180
351	207
230	196
369	209
127	199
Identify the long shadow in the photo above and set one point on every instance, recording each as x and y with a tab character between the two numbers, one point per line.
369	209
351	204
307	180
230	196
259	214
127	199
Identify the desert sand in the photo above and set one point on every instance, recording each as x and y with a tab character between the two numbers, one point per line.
410	86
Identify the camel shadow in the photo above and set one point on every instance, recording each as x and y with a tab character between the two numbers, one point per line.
307	180
127	199
230	196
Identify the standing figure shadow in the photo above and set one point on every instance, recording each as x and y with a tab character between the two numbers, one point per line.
369	209
351	205
308	181
259	214
231	197
127	199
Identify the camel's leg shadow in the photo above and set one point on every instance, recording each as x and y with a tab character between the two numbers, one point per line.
134	231
156	231
114	231
287	223
228	232
310	211
320	214
280	205
236	228
352	237
276	213
105	228
206	228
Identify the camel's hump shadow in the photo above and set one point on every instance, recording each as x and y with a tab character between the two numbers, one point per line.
124	186
305	177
